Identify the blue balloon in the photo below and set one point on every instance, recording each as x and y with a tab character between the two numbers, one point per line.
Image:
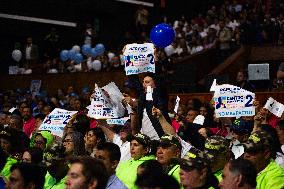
78	58
72	54
162	35
64	55
86	49
94	52
100	48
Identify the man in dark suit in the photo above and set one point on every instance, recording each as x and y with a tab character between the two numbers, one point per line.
31	52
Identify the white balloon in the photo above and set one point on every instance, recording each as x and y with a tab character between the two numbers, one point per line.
110	56
97	65
17	55
78	67
90	64
76	48
169	50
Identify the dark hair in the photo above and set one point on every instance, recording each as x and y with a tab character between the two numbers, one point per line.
31	173
81	123
151	167
79	144
99	134
162	181
18	120
273	140
112	149
93	169
281	124
3	158
246	169
36	154
40	116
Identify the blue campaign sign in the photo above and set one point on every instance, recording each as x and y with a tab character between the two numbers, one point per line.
232	101
139	58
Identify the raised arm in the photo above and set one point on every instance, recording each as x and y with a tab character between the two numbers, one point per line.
167	127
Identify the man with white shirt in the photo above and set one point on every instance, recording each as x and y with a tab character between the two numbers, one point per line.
280	132
31	52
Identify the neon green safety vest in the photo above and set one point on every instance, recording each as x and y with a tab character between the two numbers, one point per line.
272	177
174	172
6	170
50	182
127	171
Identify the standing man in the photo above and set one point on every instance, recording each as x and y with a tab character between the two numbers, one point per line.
109	153
31	52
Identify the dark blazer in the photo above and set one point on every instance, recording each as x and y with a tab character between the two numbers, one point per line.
159	102
34	52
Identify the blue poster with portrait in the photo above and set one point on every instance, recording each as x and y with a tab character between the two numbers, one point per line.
233	101
139	58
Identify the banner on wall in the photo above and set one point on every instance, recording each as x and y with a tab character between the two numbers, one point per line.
56	121
139	58
233	101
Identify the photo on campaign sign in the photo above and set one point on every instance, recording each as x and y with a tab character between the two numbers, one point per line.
139	58
56	121
233	101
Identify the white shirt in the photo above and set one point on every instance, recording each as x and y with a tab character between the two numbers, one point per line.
28	52
124	148
280	157
147	127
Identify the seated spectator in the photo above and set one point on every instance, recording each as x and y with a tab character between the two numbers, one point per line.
140	146
26	176
109	153
258	150
90	173
238	174
195	171
33	155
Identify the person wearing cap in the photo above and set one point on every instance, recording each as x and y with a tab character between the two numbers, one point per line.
140	148
259	150
280	154
195	170
8	142
240	130
217	148
238	174
57	167
169	147
42	140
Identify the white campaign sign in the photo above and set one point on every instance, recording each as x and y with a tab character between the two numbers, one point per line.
139	58
56	121
233	101
177	105
274	107
101	106
120	121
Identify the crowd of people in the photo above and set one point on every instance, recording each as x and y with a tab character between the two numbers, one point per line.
225	28
156	148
